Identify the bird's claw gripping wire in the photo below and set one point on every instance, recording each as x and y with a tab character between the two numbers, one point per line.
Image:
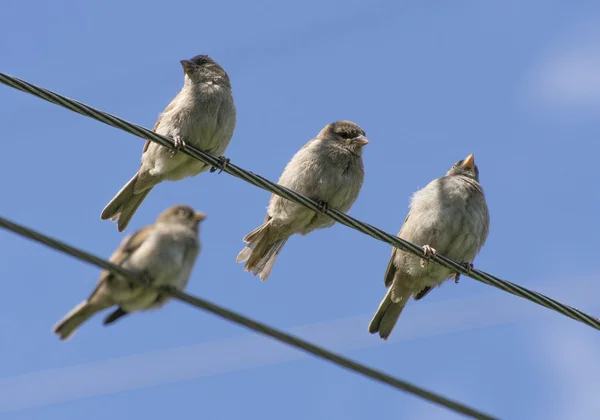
323	206
428	252
179	145
468	266
223	162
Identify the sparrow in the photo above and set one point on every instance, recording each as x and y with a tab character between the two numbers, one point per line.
449	216
202	115
328	169
162	253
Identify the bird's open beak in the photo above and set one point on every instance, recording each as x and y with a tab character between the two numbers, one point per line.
187	65
469	162
360	141
198	216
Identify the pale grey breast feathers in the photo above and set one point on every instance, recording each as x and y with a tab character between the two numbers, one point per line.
321	170
450	214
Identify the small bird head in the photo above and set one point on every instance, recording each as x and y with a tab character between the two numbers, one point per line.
181	214
202	68
347	134
465	167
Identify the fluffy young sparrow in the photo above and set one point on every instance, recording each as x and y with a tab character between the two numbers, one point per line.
449	216
328	169
163	253
202	115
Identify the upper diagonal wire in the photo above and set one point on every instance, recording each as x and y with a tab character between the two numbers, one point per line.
236	318
274	188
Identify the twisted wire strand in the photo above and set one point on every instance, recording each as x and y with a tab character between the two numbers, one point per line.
249	323
274	188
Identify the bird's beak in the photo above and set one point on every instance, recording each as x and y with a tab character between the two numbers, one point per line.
360	141
469	162
187	65
198	216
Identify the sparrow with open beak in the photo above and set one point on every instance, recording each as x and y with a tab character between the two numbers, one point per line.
328	169
162	253
202	115
449	216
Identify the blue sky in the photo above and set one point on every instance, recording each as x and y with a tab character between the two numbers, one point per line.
516	83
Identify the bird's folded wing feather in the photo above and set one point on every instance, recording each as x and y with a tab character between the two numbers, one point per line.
127	247
390	271
167	109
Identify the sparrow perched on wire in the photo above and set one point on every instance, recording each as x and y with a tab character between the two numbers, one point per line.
328	169
201	115
162	253
449	216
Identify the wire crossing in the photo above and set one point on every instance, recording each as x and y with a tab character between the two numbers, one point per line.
274	188
249	323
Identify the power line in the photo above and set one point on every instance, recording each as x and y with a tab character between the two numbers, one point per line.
249	323
265	184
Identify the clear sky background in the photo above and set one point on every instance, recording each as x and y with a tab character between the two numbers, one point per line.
516	83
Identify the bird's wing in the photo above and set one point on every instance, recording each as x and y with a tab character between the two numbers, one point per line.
167	109
127	247
390	271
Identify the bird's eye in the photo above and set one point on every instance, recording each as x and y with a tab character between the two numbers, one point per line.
182	212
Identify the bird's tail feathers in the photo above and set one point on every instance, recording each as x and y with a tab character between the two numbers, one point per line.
252	239
389	311
261	252
265	264
130	208
256	233
122	207
81	313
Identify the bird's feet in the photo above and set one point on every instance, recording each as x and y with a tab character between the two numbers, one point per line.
179	145
468	266
223	162
323	206
428	253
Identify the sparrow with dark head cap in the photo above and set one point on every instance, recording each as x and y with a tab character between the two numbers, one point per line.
449	216
202	115
162	253
328	169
